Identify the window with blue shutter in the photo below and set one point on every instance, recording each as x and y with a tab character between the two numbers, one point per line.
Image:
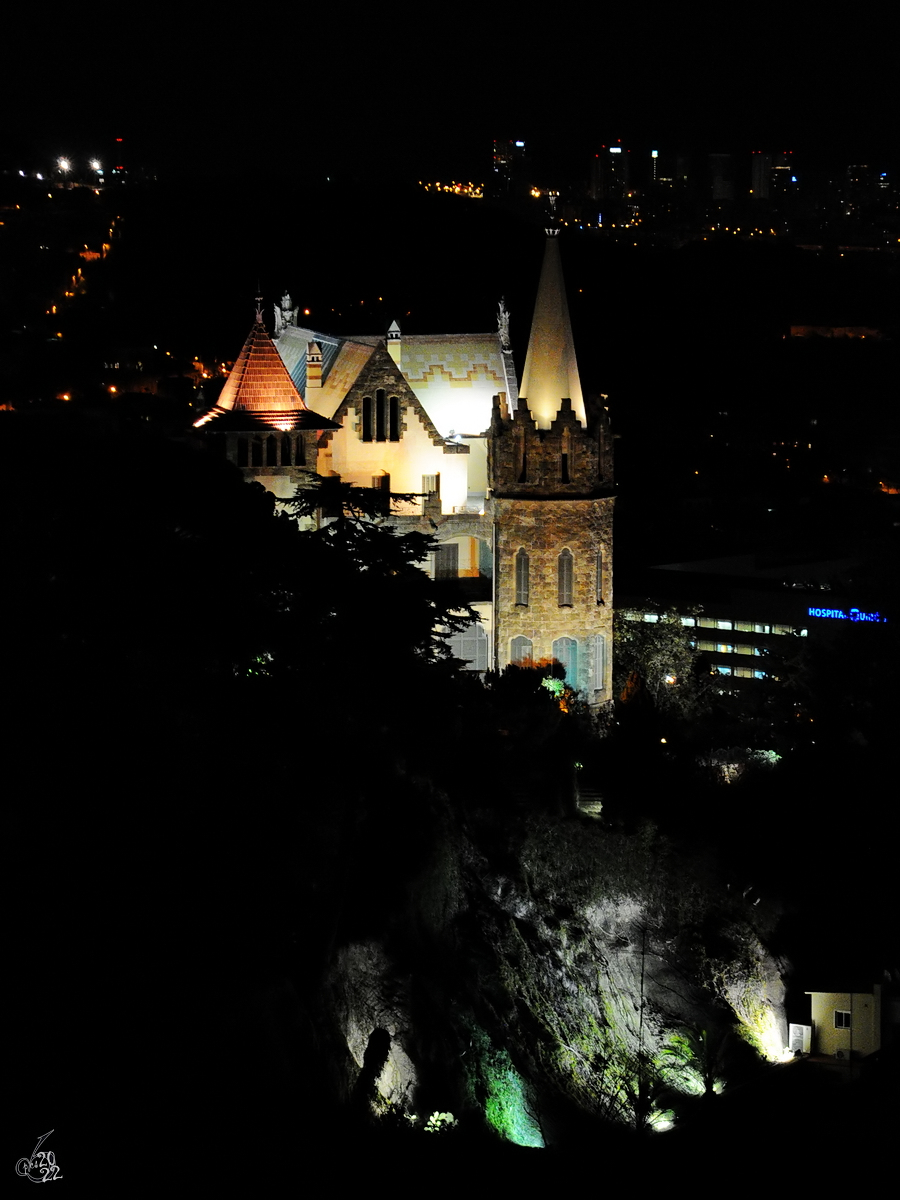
565	651
599	662
471	645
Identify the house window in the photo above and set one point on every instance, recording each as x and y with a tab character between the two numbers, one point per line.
285	451
520	651
380	416
471	645
841	1019
565	579
243	452
564	468
256	453
431	484
301	452
600	577
271	452
394	419
599	662
565	651
446	561
382	485
522	580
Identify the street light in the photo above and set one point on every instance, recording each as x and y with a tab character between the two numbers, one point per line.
64	164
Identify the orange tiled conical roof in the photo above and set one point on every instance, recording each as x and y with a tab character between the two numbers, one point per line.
260	387
259	382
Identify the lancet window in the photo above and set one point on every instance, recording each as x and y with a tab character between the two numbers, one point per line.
565	571
522	578
521	651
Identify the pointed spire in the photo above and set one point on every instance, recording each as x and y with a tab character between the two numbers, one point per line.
551	371
259	381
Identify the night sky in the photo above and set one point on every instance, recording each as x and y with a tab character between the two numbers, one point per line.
399	90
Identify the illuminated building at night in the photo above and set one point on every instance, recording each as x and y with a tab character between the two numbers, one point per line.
514	484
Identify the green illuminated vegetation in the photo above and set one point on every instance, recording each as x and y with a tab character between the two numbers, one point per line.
499	1090
390	854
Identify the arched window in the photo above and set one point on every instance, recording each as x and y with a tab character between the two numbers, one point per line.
522	580
272	451
565	651
256	453
380	416
471	645
285	451
521	651
599	662
394	421
367	419
565	570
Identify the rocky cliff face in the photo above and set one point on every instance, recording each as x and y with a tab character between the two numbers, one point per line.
539	969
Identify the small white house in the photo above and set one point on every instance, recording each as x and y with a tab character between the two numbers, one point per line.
846	1024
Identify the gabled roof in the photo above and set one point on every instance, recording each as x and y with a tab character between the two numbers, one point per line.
342	361
551	372
381	371
260	387
455	376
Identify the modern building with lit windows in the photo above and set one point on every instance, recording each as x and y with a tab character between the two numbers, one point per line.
746	611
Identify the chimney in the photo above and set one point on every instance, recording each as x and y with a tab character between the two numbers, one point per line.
393	342
313	365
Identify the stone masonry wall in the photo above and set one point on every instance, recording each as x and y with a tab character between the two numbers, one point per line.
543	528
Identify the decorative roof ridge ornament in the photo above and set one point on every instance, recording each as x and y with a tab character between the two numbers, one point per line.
503	323
552	227
285	313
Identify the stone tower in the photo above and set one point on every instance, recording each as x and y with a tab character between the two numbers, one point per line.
551	476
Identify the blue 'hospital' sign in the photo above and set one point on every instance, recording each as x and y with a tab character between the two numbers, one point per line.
838	614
